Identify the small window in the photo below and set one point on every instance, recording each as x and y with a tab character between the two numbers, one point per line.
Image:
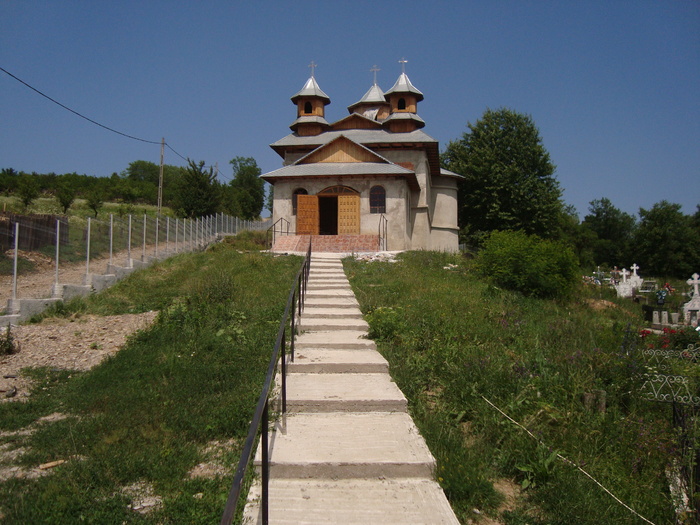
298	191
377	200
307	107
402	103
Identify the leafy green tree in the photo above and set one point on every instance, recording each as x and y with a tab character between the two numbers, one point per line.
530	265
666	242
246	192
95	200
27	189
270	199
509	179
198	191
613	231
8	180
65	196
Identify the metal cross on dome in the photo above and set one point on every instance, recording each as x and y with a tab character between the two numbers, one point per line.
403	63
313	67
374	70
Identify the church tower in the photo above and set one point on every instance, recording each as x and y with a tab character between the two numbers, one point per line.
373	104
403	100
311	104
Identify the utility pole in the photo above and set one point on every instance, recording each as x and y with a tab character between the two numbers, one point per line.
160	178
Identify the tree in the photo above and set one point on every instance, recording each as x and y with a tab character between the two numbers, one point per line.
27	189
198	192
270	199
65	196
509	182
666	241
613	231
246	192
95	200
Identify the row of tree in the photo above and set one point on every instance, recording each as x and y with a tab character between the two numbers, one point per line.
509	184
191	191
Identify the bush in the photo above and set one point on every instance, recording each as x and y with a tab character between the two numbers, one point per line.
528	264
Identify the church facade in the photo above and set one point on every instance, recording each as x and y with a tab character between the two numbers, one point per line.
372	177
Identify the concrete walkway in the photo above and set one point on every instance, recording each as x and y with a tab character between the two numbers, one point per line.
347	452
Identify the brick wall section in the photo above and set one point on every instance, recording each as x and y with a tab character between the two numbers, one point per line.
328	243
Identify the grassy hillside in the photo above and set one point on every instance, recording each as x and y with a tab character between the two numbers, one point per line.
456	343
179	395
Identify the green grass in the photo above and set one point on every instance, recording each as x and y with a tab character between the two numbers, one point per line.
453	339
148	413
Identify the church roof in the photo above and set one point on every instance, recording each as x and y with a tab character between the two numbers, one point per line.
334	169
405	116
361	136
305	119
374	95
311	89
403	85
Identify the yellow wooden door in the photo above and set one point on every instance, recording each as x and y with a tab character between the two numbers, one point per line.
348	214
307	215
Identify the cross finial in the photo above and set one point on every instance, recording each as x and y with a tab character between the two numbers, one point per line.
403	63
313	66
624	273
374	70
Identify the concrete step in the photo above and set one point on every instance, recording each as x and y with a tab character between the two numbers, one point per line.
341	445
352	502
345	340
317	286
316	360
313	312
333	302
325	325
330	294
343	393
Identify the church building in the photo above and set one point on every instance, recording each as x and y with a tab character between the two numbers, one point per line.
370	181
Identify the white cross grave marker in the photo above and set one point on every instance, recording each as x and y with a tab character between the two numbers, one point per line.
625	272
694	282
634	269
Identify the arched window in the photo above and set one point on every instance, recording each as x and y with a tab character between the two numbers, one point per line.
307	107
377	200
402	103
298	191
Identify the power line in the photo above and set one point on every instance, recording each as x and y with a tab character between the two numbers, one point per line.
76	113
186	159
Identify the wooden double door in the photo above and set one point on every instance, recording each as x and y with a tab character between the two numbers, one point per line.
328	213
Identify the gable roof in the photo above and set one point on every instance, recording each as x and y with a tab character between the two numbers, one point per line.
355	121
341	157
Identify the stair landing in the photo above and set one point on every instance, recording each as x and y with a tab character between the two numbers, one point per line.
327	243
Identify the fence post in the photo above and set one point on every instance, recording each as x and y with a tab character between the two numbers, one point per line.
87	259
14	263
58	244
167	235
111	238
157	225
143	249
128	249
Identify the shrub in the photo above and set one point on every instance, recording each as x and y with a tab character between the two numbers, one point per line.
528	264
7	344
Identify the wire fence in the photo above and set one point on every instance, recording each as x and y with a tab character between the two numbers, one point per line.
47	249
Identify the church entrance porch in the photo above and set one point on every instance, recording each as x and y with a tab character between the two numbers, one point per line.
326	243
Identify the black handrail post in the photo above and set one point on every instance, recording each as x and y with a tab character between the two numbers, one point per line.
293	327
284	373
265	465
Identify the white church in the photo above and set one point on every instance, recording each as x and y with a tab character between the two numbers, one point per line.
370	181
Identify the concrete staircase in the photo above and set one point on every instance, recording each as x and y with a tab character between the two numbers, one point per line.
347	452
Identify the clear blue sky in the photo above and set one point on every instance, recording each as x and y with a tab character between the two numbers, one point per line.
614	87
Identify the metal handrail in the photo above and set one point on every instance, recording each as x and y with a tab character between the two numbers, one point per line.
295	305
382	232
283	229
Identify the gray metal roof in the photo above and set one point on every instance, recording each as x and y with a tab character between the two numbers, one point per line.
311	89
403	85
305	119
335	169
361	136
405	116
448	173
375	95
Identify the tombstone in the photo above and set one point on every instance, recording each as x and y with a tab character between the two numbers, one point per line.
635	279
664	318
674	317
625	288
692	307
655	318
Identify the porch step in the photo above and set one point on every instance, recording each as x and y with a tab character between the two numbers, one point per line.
327	243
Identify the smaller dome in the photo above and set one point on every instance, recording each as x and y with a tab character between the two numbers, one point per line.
403	85
311	89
